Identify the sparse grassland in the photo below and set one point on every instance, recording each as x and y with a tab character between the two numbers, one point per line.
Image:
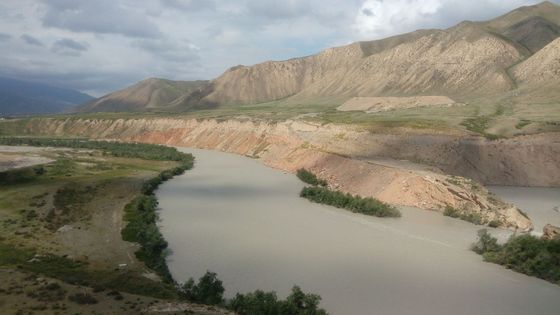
63	221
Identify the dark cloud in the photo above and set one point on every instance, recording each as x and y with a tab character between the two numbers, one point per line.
189	5
5	37
368	12
69	47
31	40
99	16
279	9
169	50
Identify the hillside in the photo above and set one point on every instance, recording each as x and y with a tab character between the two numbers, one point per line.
469	61
21	97
150	94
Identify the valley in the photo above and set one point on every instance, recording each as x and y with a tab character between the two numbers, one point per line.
428	164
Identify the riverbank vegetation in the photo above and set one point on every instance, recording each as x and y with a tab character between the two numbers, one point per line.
320	193
526	254
209	290
310	178
78	194
79	197
354	203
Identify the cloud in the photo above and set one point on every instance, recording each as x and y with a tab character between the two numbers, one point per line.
167	50
114	43
380	18
5	37
189	5
99	16
279	9
69	47
30	40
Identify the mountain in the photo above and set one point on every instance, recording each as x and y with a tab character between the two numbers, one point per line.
149	94
472	60
469	60
20	97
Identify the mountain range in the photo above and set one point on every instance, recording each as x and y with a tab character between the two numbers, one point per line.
21	97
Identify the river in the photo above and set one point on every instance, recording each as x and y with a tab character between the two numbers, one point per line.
245	221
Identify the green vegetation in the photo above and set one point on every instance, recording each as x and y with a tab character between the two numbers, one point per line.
117	149
310	178
209	290
368	206
21	175
525	254
261	303
474	217
479	125
522	123
141	228
82	298
319	193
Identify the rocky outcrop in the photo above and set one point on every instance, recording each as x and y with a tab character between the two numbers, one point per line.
551	232
294	144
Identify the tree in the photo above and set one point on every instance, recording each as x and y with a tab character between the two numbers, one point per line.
209	289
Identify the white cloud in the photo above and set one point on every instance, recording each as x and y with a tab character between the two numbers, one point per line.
381	18
378	18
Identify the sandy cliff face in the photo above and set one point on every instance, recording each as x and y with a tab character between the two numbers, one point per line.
350	159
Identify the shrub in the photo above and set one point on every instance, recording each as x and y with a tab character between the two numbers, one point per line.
310	178
472	217
525	253
367	206
209	290
82	298
265	303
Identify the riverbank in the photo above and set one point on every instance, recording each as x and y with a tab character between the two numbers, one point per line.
348	157
62	228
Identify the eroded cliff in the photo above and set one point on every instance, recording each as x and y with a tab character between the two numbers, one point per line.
355	160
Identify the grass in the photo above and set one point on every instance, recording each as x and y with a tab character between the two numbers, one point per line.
65	192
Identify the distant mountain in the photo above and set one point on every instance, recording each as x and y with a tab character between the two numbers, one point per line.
150	94
20	97
472	60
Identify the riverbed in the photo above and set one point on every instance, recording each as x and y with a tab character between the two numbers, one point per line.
245	221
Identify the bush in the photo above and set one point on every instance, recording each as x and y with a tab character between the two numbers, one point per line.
82	298
367	206
266	303
525	254
142	228
209	290
472	217
310	178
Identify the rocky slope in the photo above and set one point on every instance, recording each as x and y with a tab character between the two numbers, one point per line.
352	165
541	69
153	93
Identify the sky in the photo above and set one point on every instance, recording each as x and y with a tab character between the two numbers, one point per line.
103	45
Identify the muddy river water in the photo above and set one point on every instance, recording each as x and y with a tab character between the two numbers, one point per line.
245	221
